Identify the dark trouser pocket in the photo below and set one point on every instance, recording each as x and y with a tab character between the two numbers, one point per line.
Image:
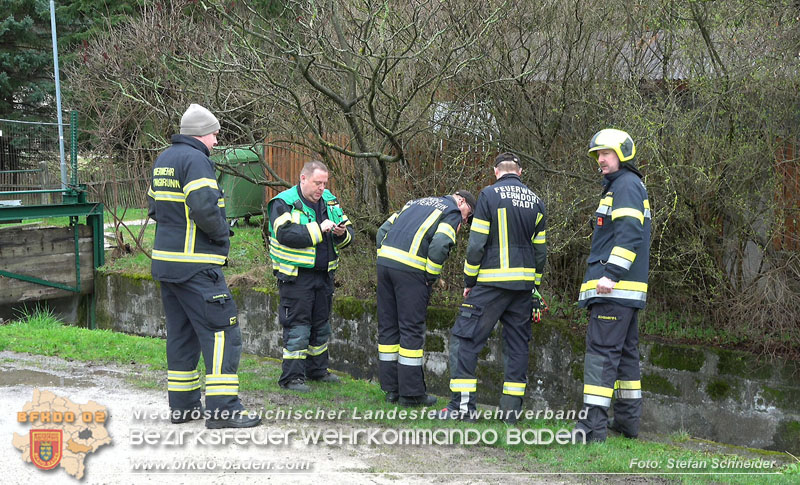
467	321
220	309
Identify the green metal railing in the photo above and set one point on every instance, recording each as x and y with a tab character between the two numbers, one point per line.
74	206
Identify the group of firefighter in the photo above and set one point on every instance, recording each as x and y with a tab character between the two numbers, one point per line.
505	258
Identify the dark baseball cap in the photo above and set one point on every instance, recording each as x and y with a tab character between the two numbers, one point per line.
471	202
507	157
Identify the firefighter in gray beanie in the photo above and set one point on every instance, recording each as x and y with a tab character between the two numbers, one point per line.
190	248
198	121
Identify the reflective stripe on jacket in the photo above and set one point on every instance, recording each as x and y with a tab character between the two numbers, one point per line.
507	240
189	209
419	237
620	242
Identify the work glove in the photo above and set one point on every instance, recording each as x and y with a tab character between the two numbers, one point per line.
539	306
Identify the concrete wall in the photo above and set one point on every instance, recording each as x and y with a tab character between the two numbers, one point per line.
716	394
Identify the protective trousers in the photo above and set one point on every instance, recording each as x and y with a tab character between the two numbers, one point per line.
201	317
304	313
402	307
479	313
611	368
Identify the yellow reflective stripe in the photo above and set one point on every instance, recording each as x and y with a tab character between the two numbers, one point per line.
608	200
183	374
598	390
284	268
471	269
304	256
315	232
410	353
294	354
281	220
447	230
540	238
184	379
388	349
347	238
628	212
433	217
222	391
538	279
214	379
621	285
198	184
183	387
317	350
623	253
177	257
628	385
308	252
166	196
221	202
401	257
333	264
481	226
219	352
507	274
463	385
150	190
502	223
187	236
393	217
514	388
432	267
539	217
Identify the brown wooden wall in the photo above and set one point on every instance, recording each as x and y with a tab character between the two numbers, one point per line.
787	166
44	253
287	159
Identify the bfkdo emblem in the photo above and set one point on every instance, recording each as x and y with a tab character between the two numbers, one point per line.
46	447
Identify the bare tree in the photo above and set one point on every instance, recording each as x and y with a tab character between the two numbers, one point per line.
372	69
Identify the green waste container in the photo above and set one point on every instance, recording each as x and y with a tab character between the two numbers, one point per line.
243	198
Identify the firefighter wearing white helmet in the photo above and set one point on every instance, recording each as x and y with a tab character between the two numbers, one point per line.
614	289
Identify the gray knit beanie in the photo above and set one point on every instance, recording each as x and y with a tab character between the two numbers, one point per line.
198	121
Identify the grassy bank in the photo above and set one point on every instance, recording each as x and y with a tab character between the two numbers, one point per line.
41	334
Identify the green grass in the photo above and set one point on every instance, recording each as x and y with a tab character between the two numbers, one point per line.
40	333
124	214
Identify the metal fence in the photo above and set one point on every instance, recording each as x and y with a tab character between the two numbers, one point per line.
29	160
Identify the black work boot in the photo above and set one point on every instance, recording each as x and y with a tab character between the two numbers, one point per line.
239	419
298	385
331	378
180	416
411	401
511	408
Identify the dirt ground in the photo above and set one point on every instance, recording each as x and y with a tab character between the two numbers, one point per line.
116	463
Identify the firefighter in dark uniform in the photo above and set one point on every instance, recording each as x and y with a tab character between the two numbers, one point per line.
412	246
505	258
307	230
191	246
614	289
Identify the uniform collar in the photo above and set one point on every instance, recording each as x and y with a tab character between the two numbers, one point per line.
508	175
191	141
